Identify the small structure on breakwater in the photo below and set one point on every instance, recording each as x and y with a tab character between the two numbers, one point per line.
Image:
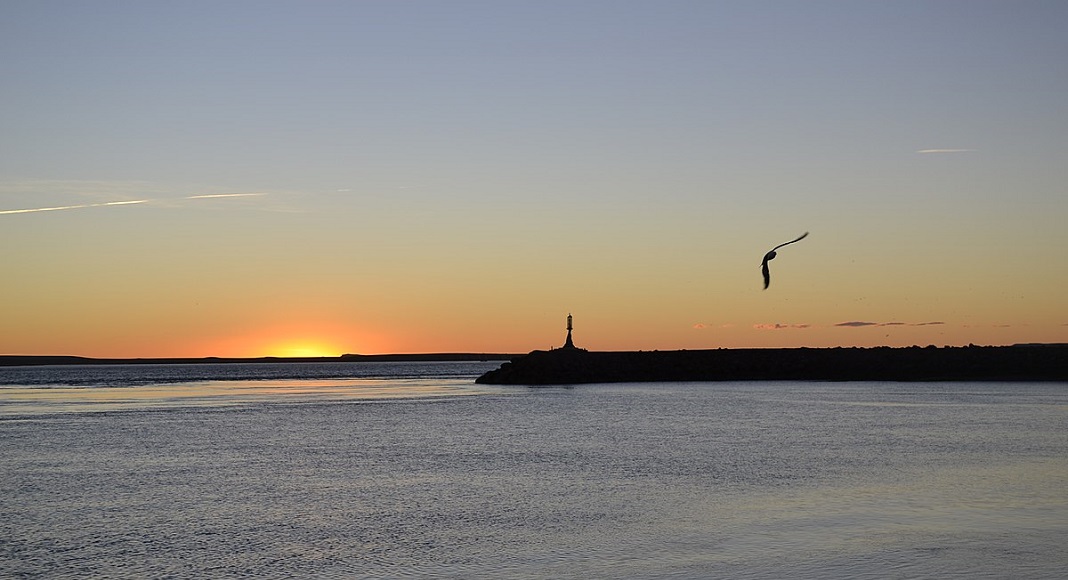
568	343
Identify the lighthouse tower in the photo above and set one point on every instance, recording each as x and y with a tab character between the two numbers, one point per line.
568	343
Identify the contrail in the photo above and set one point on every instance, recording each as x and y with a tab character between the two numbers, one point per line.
944	150
105	204
218	195
57	208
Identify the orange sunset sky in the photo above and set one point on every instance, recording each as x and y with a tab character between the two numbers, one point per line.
305	179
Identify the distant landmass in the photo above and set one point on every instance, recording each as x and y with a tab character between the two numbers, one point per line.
31	360
1032	362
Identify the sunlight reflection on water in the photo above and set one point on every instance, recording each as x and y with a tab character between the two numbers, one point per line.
282	478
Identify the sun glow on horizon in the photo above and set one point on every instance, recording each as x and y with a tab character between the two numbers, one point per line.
304	345
303	349
286	342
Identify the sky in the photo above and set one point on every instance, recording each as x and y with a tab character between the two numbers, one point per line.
265	178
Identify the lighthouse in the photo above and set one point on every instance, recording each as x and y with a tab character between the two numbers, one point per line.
568	343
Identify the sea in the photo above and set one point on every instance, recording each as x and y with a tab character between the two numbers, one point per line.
411	470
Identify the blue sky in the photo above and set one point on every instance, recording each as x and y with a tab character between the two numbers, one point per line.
325	89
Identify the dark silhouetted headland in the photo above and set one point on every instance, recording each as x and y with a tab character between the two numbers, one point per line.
971	363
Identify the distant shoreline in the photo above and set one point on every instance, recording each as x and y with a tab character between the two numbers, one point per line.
43	360
1031	362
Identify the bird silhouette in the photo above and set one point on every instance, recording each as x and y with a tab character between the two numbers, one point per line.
771	256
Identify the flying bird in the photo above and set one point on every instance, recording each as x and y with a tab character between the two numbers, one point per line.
771	256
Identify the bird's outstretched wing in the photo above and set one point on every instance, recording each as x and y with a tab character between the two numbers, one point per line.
771	256
799	238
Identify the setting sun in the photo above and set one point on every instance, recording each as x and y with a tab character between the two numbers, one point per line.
283	342
304	349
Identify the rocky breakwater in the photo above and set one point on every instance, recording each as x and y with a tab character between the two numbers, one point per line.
971	363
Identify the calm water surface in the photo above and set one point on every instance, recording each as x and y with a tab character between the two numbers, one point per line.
404	471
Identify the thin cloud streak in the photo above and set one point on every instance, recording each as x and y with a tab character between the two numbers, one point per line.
861	324
850	324
221	195
129	202
81	206
704	325
945	150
